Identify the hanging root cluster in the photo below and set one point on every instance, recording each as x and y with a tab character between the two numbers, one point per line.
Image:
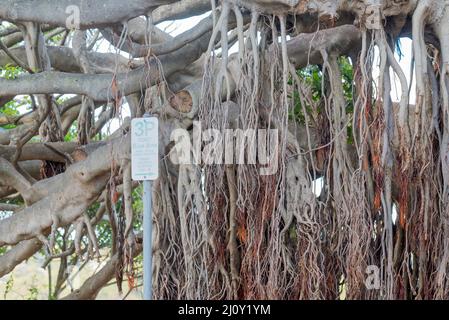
357	207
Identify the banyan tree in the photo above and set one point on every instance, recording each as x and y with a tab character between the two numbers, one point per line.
304	178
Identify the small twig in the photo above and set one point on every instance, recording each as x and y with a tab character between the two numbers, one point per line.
130	290
14	58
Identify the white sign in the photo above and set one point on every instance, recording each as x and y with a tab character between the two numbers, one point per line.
144	148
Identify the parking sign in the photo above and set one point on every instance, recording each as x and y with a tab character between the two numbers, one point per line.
144	148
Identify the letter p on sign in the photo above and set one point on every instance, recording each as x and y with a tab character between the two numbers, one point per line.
145	148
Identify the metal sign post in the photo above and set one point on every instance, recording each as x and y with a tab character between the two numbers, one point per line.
147	242
145	167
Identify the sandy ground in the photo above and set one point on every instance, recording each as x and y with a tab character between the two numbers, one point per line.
30	281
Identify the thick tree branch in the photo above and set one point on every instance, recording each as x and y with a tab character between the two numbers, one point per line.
63	59
17	255
63	198
11	177
305	48
178	42
180	10
9	207
98	86
92	13
38	151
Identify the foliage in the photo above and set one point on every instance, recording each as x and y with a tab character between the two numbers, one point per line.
71	133
56	39
33	291
312	77
8	287
10	72
13	108
9	109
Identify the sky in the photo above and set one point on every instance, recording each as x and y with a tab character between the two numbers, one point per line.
405	62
